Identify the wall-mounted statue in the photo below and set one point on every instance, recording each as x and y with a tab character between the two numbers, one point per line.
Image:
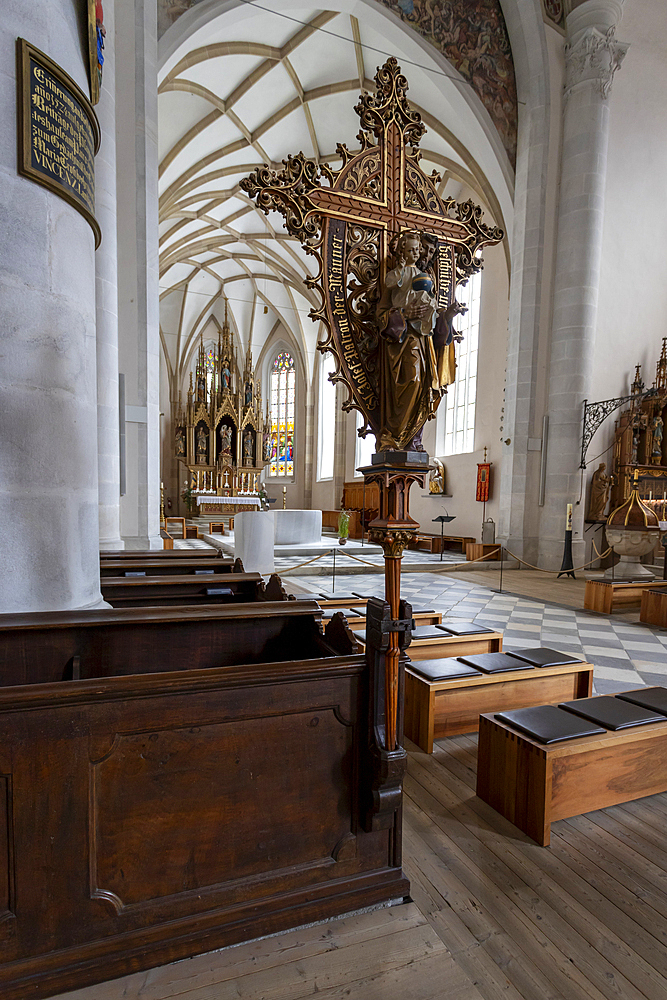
180	442
600	486
437	478
201	445
248	446
657	429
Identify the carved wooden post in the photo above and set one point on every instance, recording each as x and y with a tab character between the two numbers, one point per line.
388	626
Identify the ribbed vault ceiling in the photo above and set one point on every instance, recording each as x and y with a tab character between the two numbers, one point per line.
248	90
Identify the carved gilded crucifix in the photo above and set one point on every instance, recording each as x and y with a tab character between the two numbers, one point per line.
390	253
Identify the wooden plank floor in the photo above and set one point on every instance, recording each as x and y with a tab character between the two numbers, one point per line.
494	917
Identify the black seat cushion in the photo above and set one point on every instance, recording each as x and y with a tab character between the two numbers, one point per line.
423	611
338	597
427	632
447	668
548	724
454	627
654	698
542	656
612	713
494	663
348	612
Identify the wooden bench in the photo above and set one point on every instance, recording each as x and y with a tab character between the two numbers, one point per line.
167	540
654	607
173	567
533	785
436	709
475	550
134	555
608	596
175	520
357	621
430	542
214	588
200	785
451	645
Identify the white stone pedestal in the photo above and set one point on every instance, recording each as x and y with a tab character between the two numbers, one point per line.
253	540
297	527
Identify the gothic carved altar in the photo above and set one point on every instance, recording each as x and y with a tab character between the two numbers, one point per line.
639	442
219	432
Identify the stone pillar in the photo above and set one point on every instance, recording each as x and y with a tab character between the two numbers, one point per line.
48	463
592	56
106	288
138	290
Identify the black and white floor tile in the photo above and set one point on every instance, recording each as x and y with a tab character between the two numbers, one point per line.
625	655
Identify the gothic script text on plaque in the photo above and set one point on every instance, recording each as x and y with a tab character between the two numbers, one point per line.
58	132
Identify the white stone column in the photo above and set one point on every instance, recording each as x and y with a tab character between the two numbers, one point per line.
106	289
592	56
48	419
138	289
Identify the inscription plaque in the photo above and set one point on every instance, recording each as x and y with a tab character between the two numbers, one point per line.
59	134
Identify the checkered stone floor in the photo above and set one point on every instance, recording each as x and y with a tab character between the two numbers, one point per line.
624	655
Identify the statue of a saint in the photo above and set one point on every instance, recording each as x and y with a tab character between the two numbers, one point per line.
201	446
225	375
600	486
248	393
657	428
180	442
437	478
267	447
247	447
226	440
417	344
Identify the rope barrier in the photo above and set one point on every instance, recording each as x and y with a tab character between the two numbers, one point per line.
575	569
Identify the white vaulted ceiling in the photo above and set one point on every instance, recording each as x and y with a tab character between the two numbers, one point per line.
249	87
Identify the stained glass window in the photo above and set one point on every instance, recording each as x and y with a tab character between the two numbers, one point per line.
282	390
461	397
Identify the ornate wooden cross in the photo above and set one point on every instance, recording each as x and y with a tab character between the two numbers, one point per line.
353	220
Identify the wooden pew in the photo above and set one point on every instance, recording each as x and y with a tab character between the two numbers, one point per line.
435	709
172	567
160	591
201	784
533	785
607	596
428	542
132	555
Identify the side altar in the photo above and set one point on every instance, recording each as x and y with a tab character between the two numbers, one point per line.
639	444
219	434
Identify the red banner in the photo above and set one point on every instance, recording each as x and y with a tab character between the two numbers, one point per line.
483	481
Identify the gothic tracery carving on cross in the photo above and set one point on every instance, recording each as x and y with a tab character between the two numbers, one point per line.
358	222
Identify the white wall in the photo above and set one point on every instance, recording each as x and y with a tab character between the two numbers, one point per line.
632	315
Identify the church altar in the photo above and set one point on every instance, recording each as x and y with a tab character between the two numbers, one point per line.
209	504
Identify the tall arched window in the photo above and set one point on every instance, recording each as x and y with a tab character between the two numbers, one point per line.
462	395
282	393
327	419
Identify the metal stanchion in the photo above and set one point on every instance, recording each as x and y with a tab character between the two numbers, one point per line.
500	585
333	575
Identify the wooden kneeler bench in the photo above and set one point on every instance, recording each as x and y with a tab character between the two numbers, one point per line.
445	697
533	784
608	596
